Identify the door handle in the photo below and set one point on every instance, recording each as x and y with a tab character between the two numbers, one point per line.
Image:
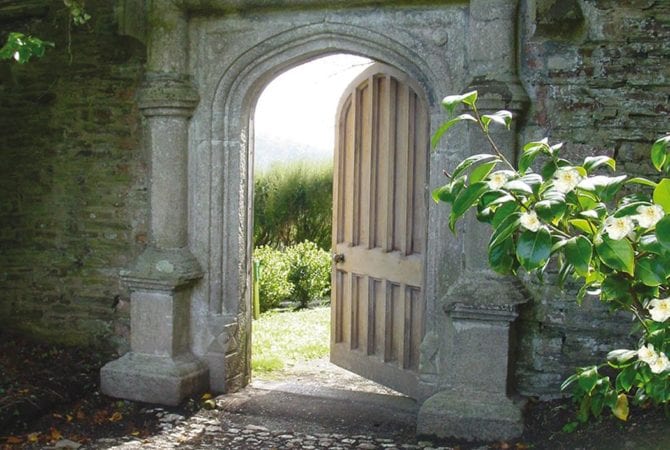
338	258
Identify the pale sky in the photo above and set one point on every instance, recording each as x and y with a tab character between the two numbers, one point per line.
300	104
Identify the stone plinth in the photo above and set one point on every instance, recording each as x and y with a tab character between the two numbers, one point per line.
480	308
160	367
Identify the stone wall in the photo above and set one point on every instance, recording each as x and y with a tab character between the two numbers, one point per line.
73	208
72	181
598	75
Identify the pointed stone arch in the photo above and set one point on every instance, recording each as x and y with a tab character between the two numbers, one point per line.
208	62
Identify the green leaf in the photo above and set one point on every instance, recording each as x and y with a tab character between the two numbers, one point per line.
593	162
617	358
442	194
482	171
473	160
465	199
501	257
550	210
505	228
518	186
618	255
605	187
533	249
649	243
579	252
662	194
502	117
659	152
582	224
651	271
450	102
642	181
504	211
445	127
663	231
588	379
615	288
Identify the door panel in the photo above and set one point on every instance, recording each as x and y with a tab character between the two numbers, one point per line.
379	225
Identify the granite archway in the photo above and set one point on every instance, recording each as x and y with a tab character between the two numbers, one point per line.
208	63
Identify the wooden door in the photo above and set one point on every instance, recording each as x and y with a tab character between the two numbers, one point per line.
379	229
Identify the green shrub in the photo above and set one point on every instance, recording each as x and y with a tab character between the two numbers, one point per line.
301	273
309	272
292	204
274	285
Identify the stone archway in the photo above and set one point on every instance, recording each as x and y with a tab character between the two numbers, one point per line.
208	63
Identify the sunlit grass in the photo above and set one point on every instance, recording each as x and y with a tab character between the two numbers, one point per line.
281	339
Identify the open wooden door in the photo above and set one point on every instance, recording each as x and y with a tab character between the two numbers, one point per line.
379	229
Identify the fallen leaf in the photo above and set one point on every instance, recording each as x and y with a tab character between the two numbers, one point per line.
620	409
116	417
68	418
135	433
55	434
522	446
33	437
81	415
14	440
206	396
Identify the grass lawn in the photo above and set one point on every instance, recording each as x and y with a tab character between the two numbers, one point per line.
281	339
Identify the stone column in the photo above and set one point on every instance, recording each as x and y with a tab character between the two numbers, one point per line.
480	306
160	367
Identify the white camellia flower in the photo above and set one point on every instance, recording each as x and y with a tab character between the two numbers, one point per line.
618	227
660	364
498	180
648	216
646	353
659	309
530	221
566	179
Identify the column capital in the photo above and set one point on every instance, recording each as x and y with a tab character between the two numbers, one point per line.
495	94
162	270
167	94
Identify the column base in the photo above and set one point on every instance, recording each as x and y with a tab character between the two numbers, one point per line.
470	416
154	379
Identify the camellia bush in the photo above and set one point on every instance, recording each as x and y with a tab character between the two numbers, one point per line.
609	232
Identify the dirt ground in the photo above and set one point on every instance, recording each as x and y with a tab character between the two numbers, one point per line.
49	394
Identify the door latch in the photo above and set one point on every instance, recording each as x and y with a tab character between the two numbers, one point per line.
338	258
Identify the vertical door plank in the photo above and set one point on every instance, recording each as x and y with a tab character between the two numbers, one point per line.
401	165
390	163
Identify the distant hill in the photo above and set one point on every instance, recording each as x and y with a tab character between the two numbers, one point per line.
270	149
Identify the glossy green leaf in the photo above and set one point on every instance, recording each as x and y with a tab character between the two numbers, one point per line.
629	209
625	379
482	171
518	186
533	249
503	211
588	378
651	270
593	162
659	152
550	210
649	244
505	229
502	117
618	255
579	252
605	187
662	194
473	160
642	181
615	287
445	127
465	200
663	232
501	257
582	225
450	102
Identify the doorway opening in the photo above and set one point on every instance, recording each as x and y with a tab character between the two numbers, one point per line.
294	138
377	241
